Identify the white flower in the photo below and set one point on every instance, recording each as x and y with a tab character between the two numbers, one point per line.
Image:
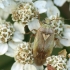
49	3
7	5
39	67
29	67
24	12
2	3
53	10
68	62
41	6
58	62
65	40
3	14
6	8
7	33
19	27
18	66
12	47
24	0
23	56
34	25
59	2
17	36
22	52
61	31
3	48
57	24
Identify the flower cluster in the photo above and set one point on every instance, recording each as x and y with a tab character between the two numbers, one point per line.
58	62
25	12
16	16
23	54
6	31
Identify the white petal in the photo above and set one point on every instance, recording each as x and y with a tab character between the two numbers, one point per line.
29	67
27	0
38	67
12	5
66	36
59	2
53	11
3	14
6	3
24	0
3	48
42	10
6	14
67	28
9	5
41	6
10	52
13	44
68	64
17	66
18	37
19	27
66	32
34	25
49	3
2	6
65	41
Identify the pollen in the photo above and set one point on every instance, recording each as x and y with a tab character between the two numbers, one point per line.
23	54
25	12
6	32
58	62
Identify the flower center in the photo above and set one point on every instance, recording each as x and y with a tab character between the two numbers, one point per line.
6	32
57	24
25	12
23	54
58	62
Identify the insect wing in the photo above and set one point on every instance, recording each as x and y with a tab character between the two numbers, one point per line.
43	45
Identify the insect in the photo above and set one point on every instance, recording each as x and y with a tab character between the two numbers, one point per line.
43	44
50	67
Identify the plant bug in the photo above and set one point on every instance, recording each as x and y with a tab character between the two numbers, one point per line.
49	67
43	44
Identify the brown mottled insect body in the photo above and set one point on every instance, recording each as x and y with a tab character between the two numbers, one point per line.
43	45
49	67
